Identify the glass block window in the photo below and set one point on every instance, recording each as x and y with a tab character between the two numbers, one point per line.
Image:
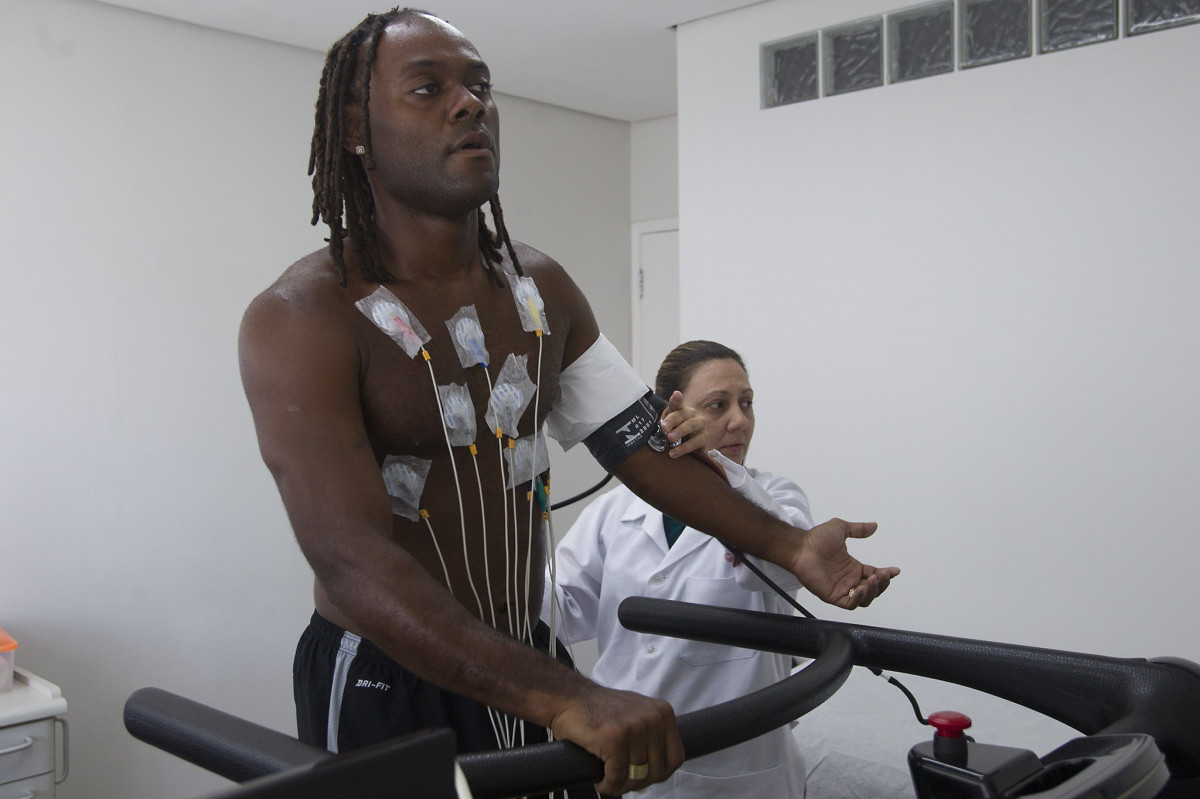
790	71
993	30
853	56
1070	23
1143	16
921	41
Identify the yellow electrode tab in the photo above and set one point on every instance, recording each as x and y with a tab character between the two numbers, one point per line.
534	314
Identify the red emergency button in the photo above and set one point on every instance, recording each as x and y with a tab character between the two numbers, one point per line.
949	723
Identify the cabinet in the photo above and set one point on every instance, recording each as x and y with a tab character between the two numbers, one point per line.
31	714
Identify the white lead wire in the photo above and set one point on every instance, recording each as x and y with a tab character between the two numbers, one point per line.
458	485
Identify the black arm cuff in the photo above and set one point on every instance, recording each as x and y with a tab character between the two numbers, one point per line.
622	435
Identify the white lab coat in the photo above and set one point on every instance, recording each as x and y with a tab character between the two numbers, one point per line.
618	548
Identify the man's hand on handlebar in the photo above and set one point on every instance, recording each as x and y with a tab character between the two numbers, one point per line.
634	735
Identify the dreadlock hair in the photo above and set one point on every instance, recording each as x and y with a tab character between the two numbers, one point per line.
341	190
681	363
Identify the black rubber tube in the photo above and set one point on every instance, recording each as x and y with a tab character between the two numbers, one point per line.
583	494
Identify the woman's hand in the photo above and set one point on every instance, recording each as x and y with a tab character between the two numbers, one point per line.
689	427
686	428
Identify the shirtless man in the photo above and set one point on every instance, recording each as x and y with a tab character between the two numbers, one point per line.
335	399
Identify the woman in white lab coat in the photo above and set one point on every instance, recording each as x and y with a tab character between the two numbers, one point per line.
621	546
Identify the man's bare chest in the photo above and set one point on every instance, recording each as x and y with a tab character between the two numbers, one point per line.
438	374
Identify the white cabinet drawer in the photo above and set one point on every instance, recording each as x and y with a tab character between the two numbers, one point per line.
26	750
41	787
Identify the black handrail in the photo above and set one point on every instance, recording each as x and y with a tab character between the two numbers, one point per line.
1091	693
545	767
232	747
1094	694
241	750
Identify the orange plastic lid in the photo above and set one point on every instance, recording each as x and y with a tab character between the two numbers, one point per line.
7	642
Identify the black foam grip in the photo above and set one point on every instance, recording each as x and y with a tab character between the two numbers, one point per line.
236	749
241	750
1091	693
544	767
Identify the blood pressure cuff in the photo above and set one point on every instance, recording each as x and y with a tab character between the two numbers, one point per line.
603	403
625	433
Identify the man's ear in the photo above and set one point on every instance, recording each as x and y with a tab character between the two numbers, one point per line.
352	127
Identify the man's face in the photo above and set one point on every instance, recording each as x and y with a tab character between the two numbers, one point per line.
434	127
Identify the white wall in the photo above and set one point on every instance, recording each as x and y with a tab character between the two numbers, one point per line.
154	182
969	305
654	169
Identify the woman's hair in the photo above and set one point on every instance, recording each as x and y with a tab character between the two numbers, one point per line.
679	365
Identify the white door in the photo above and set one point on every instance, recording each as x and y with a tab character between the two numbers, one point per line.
655	294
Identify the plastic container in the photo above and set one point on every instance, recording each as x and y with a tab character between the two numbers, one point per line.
8	656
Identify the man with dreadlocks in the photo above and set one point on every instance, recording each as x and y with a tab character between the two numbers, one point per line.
405	155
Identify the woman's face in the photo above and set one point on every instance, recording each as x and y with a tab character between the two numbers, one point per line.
720	389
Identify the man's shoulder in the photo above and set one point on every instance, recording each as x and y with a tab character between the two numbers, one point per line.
308	293
311	281
536	264
565	303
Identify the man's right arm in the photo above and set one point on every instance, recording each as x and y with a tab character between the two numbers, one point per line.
300	370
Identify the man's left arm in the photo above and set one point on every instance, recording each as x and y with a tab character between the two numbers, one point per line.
688	490
691	490
784	500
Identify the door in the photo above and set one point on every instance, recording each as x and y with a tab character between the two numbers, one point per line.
655	294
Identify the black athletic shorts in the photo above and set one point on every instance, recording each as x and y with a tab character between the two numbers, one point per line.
349	694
